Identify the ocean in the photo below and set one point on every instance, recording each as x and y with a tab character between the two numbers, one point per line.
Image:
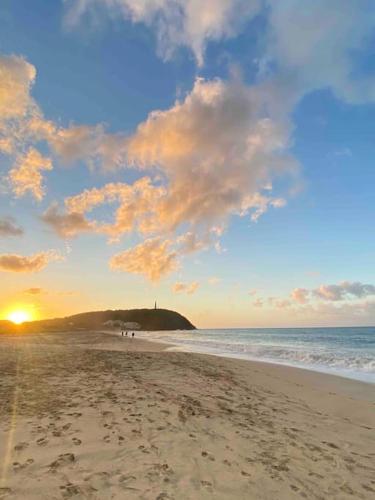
347	352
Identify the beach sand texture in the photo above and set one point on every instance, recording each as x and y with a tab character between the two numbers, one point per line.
94	415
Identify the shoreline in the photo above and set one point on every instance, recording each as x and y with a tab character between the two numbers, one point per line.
343	374
350	387
94	415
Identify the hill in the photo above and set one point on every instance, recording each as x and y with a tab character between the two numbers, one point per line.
147	319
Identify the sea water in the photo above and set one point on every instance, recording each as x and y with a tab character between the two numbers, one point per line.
348	352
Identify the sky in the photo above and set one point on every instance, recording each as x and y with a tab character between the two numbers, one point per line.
216	156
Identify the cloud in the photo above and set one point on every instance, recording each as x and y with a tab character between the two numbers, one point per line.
67	225
153	259
16	79
217	150
136	202
91	144
188	288
19	264
210	157
190	242
318	45
300	295
258	303
34	291
17	107
345	290
8	227
42	291
282	303
25	176
214	280
303	46
177	23
215	153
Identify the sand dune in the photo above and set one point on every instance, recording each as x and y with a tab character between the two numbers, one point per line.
89	415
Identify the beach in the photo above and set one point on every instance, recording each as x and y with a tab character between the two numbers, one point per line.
95	415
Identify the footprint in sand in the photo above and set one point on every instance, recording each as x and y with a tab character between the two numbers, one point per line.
21	446
163	496
69	490
205	454
42	441
4	492
76	441
64	459
207	484
18	466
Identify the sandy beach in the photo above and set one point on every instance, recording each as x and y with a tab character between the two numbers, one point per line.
94	415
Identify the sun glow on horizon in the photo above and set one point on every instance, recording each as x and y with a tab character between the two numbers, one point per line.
19	316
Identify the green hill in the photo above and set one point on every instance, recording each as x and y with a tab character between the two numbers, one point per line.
146	319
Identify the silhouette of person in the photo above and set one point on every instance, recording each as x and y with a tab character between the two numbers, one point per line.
122	334
132	334
126	334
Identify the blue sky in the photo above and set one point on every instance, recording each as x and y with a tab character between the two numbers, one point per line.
303	98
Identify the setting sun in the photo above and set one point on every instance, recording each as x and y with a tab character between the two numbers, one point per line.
19	317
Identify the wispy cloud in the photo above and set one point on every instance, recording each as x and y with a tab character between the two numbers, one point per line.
176	23
34	291
298	53
188	288
43	291
9	227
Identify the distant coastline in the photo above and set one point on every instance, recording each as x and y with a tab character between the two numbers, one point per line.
132	319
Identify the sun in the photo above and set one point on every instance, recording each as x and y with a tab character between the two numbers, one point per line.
19	316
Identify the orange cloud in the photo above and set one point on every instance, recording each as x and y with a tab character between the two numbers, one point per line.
217	152
300	295
19	264
25	176
34	291
188	288
153	258
16	79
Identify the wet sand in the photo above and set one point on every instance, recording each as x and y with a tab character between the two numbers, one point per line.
94	415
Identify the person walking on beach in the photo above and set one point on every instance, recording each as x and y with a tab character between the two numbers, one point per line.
122	333
126	334
133	335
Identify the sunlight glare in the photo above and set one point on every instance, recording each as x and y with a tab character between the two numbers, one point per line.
19	317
